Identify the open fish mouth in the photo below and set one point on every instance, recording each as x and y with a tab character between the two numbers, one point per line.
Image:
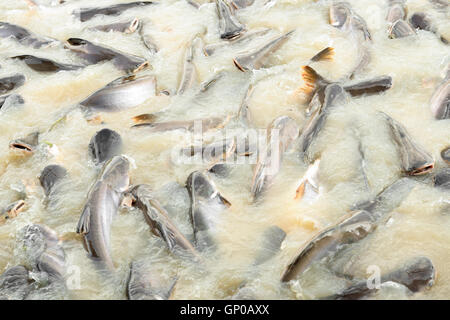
422	170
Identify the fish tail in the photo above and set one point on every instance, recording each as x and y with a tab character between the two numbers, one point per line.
312	80
326	54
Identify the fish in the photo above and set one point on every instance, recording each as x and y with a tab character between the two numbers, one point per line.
24	36
281	135
146	284
11	99
94	53
254	59
27	145
241	4
105	145
421	21
123	93
440	101
10	83
189	73
44	252
85	14
50	176
442	178
417	274
244	115
309	184
445	155
400	29
334	94
351	228
314	86
189	125
210	49
270	243
102	203
207	209
45	65
415	159
159	221
229	26
397	11
12	211
343	17
147	40
128	27
15	283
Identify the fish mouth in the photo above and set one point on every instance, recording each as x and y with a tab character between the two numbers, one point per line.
421	170
76	42
135	25
21	146
141	66
236	63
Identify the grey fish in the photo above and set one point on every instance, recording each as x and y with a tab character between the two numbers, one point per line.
15	283
213	152
442	179
124	27
417	274
11	99
102	204
240	4
104	145
333	94
229	26
315	84
415	159
281	134
445	154
207	208
145	284
27	144
353	227
189	73
12	211
23	36
86	14
43	251
440	101
420	20
50	176
189	125
10	83
45	65
270	243
397	10
159	221
94	53
400	29
210	49
122	93
254	59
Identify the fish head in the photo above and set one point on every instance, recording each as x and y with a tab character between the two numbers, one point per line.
116	173
340	14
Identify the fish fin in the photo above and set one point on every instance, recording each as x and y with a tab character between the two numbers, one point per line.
312	80
325	54
84	222
144	118
225	201
300	191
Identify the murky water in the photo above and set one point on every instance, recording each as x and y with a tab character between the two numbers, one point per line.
418	227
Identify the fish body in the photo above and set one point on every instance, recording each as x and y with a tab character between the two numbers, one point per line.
10	83
102	204
122	93
15	283
229	26
415	159
440	101
45	65
207	208
159	221
23	36
11	99
254	59
86	14
124	27
94	53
